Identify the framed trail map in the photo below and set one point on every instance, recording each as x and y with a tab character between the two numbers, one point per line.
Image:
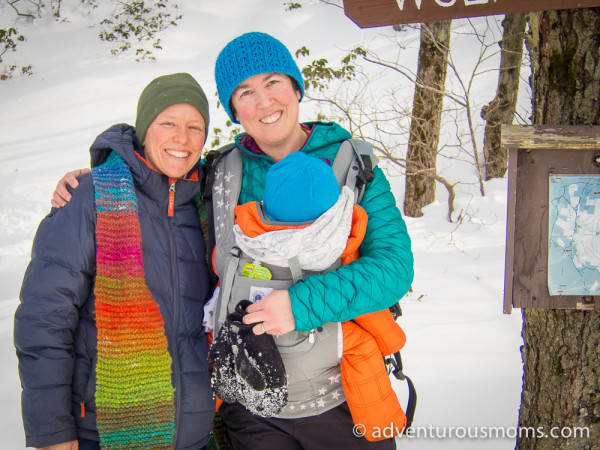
574	235
553	217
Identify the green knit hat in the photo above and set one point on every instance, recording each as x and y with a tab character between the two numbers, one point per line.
166	91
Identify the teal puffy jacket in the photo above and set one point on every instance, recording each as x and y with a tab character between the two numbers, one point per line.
383	273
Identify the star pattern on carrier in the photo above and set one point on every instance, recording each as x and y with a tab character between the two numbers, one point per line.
228	177
326	397
335	379
221	192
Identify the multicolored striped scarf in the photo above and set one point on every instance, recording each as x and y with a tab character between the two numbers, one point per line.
134	394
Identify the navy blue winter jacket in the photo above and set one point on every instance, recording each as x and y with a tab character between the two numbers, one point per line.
55	331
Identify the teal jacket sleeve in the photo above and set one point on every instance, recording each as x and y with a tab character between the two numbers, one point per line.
377	280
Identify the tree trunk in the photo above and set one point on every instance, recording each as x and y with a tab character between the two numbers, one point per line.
561	351
502	108
426	117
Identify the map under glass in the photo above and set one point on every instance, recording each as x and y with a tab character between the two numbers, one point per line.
574	235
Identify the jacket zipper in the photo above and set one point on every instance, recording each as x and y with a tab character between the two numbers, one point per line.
175	277
171	207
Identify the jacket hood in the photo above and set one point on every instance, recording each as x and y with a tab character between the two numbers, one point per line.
119	138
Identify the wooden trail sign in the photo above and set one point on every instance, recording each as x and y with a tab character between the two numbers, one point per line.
377	13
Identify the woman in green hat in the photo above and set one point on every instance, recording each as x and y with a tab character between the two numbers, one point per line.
112	351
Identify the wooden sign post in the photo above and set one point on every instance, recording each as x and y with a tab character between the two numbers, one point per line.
553	221
377	13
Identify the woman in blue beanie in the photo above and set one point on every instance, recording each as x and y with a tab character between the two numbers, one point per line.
261	87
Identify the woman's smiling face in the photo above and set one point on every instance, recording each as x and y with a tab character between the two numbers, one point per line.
174	140
267	106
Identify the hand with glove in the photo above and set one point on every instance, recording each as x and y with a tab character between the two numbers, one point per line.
247	367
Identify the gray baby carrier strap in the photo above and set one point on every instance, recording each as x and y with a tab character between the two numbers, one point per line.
227	183
352	166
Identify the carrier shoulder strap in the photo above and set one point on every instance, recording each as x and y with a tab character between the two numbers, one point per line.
210	171
353	166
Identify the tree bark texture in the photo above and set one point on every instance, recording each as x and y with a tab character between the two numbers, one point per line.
426	117
561	350
565	65
502	108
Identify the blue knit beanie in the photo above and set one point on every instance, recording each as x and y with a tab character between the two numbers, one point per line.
248	55
299	188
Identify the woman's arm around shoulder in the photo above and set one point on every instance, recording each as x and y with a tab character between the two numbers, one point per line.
377	280
61	194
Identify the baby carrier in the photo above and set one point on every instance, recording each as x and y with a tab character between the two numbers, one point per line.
353	167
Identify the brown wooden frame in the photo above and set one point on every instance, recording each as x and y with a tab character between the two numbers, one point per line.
534	153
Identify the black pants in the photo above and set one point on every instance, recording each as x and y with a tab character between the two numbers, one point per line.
331	430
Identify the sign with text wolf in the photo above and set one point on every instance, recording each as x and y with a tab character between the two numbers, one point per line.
376	13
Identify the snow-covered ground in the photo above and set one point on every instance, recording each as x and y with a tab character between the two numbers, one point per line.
462	352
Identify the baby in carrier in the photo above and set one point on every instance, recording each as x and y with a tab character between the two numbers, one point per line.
307	224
